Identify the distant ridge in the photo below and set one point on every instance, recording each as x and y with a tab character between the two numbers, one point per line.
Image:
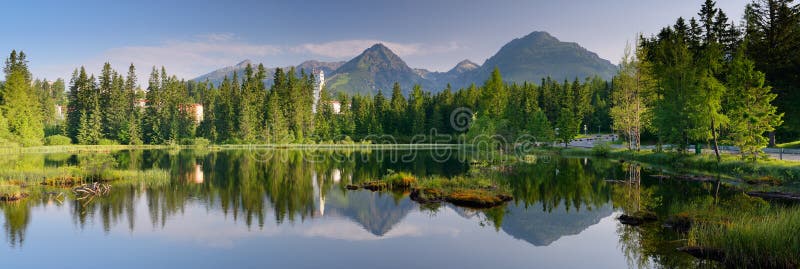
530	58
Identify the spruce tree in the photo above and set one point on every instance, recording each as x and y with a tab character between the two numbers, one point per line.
20	104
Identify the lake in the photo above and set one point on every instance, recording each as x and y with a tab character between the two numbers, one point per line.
290	209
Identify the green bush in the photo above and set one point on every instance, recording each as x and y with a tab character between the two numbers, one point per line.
346	140
200	142
107	142
57	140
601	149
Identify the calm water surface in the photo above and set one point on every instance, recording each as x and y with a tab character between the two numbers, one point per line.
288	209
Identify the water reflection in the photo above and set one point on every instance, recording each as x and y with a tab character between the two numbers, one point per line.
290	193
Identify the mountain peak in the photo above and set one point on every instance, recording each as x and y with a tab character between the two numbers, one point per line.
378	46
244	63
539	35
539	55
463	66
377	68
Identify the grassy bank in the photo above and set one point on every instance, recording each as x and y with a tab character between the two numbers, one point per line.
80	148
789	145
783	172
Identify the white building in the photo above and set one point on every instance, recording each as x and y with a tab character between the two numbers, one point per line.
197	113
60	112
336	106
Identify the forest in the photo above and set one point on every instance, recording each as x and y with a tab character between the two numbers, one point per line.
704	80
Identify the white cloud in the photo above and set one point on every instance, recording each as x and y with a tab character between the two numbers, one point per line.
190	58
186	59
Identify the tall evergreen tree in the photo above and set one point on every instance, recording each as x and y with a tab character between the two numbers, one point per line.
750	107
19	103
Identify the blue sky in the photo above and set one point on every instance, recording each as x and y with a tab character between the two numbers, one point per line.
193	37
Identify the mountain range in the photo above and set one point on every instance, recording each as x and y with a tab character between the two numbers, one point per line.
530	58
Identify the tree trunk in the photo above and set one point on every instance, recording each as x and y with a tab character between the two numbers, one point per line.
772	139
714	136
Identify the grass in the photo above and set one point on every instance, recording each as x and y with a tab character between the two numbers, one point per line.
753	240
789	145
775	171
10	193
76	148
476	192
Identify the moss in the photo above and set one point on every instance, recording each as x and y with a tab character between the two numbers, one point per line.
477	198
375	185
637	218
476	192
10	193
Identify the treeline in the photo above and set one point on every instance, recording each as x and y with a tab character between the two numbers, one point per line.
698	81
27	106
111	109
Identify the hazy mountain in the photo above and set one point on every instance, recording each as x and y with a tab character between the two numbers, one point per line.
376	68
530	58
327	67
453	76
539	55
218	75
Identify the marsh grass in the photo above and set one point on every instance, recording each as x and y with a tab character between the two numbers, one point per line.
10	193
778	171
752	239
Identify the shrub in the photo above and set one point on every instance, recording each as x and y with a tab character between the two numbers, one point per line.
201	142
106	142
400	180
601	149
346	140
57	140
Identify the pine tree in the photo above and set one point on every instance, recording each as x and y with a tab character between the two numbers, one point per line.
19	103
494	96
396	120
276	127
323	120
567	126
750	107
540	128
772	39
416	111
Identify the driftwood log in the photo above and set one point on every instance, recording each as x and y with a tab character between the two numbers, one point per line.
92	189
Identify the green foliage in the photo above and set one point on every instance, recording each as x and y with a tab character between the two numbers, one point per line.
632	96
750	107
57	140
19	103
567	126
771	39
106	142
601	149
